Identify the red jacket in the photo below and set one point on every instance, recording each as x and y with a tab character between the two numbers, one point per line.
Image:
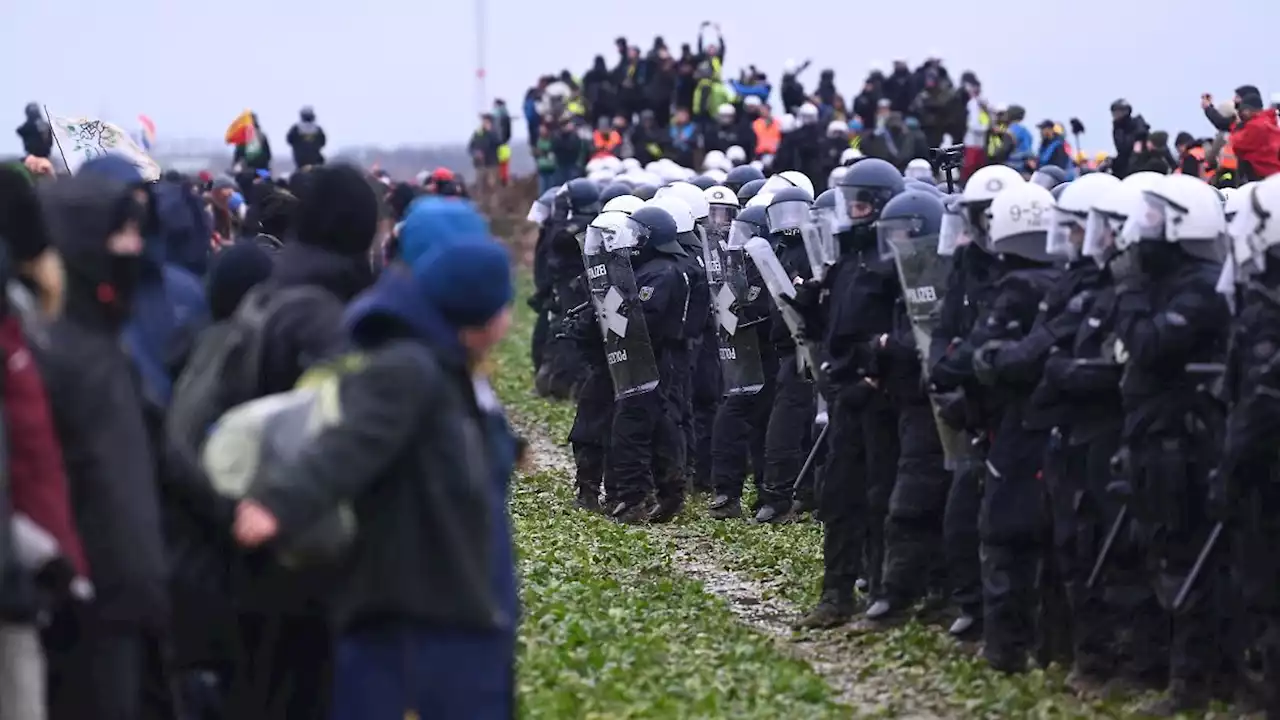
1257	142
37	480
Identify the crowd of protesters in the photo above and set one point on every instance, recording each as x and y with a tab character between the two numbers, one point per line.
146	321
655	104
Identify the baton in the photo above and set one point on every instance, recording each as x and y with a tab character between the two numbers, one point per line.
1110	542
813	455
1196	569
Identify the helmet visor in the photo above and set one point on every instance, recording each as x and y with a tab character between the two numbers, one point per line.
857	206
609	238
788	215
1100	232
1147	223
955	232
740	233
538	213
721	216
897	236
1066	237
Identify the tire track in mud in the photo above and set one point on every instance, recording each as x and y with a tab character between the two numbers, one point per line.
868	691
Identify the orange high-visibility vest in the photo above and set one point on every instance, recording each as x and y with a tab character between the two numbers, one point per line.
605	143
1227	156
1198	154
768	135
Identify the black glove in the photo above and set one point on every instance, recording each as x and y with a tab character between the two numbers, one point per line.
1066	323
984	361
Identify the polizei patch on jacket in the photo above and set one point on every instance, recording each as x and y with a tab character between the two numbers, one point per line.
753	292
645	293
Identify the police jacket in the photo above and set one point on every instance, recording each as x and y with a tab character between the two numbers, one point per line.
861	308
1163	324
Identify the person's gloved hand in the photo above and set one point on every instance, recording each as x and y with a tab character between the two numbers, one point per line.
1066	323
984	361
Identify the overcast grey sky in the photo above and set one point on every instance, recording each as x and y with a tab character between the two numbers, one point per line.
394	72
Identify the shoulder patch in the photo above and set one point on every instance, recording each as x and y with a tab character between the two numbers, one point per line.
753	292
1175	319
645	293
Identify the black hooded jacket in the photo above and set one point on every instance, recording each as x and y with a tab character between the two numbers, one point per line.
336	221
99	414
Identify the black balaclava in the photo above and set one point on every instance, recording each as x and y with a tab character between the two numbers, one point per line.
83	212
337	210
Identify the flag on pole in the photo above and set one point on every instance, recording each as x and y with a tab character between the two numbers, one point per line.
82	139
241	130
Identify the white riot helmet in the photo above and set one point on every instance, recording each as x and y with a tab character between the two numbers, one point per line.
837	174
919	169
602	233
715	159
600	177
1236	200
789	178
716	175
787	122
808	114
1071	215
722	206
726	111
1179	209
594	165
849	155
631	164
611	163
761	199
1144	180
624	204
1020	218
691	195
677	209
836	129
1107	218
736	155
979	191
1255	229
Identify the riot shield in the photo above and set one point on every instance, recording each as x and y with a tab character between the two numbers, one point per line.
616	299
923	274
782	288
740	365
819	245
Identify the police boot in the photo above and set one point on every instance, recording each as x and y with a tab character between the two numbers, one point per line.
629	513
588	499
666	510
966	626
542	381
883	614
724	507
770	515
804	504
834	608
1087	684
1178	698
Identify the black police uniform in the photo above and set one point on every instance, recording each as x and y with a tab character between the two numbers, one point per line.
589	436
862	441
1246	490
741	422
695	318
1168	316
646	450
970	288
1011	518
561	364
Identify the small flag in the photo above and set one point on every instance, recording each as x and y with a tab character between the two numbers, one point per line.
147	135
241	130
83	139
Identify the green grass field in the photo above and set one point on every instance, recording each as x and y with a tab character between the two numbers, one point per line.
613	628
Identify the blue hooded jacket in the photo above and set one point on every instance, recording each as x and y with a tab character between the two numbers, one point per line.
169	307
1023	147
435	221
398	306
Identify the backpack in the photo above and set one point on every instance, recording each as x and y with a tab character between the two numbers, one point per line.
225	367
258	440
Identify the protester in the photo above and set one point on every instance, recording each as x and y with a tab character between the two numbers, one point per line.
37	136
423	451
307	140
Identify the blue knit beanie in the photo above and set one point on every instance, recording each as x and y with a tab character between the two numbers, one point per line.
469	283
432	221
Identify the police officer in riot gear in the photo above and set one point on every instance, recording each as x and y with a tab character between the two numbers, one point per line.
791	417
646	447
1168	317
577	203
542	213
908	229
589	435
970	288
1244	493
862	442
1011	522
742	420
